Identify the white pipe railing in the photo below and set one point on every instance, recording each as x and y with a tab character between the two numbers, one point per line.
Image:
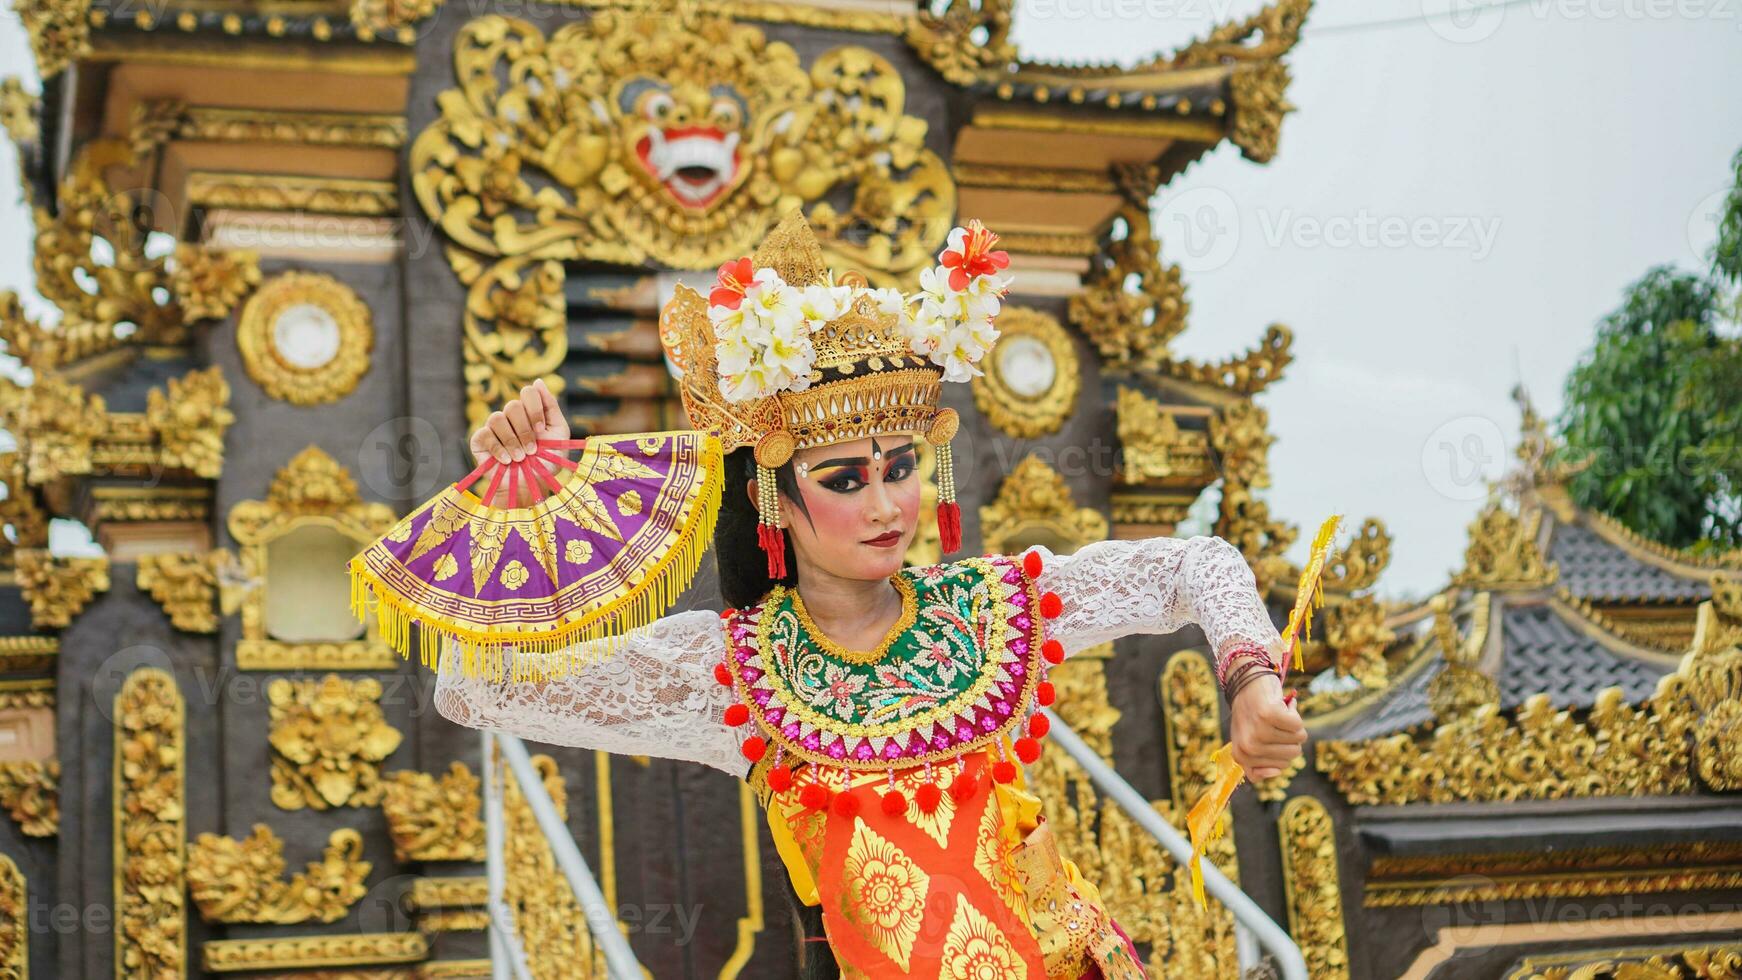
506	952
1246	912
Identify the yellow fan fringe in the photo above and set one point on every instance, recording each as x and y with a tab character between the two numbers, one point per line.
573	646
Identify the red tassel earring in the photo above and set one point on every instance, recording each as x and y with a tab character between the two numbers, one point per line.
768	532
943	428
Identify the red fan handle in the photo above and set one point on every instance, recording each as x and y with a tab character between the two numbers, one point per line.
535	470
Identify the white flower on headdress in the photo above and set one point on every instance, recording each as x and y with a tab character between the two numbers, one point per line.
763	345
957	301
818	304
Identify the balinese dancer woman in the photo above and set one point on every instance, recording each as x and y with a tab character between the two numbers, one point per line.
882	713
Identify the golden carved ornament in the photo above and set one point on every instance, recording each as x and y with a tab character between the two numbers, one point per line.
1260	81
1243	374
242	880
331	323
56	423
186	586
1688	728
22	507
1718	625
390	18
542	906
1244	521
18	110
1358	563
190	420
311	490
59	588
1032	378
457	892
1356	638
1311	885
1580	872
329	739
60	32
1502	552
965	41
30	792
431	819
1656	963
150	827
1154	450
1240	435
1034	505
1461	686
14	923
306	952
1130	325
684	152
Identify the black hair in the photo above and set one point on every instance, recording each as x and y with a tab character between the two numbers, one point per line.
742	564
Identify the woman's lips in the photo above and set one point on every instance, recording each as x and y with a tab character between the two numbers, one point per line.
885	540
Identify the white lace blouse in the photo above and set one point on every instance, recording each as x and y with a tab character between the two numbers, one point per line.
656	694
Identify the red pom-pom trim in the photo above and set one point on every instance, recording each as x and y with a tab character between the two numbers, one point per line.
722	675
1032	564
1053	651
737	714
1051	605
814	796
780	779
963	787
928	797
754	747
727	612
1004	771
845	804
1039	725
1045	694
1028	750
894	804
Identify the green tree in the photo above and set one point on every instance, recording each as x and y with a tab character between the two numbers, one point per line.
1654	409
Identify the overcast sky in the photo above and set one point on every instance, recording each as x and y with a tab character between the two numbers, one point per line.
1462	193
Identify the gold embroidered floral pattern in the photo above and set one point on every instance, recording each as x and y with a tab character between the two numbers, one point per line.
446	567
578	551
992	859
885	897
629	504
514	575
974	948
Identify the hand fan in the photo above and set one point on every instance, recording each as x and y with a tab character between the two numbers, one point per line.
609	541
1204	820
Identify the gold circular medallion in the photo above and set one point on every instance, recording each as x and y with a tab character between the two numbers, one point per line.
305	338
1031	377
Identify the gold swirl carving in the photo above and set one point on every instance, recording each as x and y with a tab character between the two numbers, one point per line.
189	421
58	588
305	294
328	738
186	586
1310	883
1503	553
1155	450
1688	728
1243	374
1442	879
18	111
1131	306
150	833
14	923
964	40
1640	963
1240	434
457	892
1034	505
542	906
1357	564
395	19
1355	638
1031	342
1718	625
434	819
240	880
589	151
307	952
60	32
1461	687
30	792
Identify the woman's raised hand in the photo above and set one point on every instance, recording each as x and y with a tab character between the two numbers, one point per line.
511	435
1267	730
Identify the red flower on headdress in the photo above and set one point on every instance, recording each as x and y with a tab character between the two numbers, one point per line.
970	254
734	278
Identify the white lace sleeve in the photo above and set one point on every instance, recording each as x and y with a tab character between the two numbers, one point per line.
654	695
1155	585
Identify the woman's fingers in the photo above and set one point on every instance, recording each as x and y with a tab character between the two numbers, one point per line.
555	425
503	432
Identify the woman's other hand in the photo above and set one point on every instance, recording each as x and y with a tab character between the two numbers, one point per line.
511	435
1267	732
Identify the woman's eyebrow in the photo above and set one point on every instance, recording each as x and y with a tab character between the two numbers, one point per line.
860	460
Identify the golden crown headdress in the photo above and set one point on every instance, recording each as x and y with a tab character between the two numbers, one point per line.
784	355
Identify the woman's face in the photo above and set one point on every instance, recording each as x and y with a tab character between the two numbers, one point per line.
862	498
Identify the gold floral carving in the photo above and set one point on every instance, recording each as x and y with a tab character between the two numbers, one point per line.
569	159
1356	637
150	827
442	893
434	819
1310	883
312	489
1240	434
1641	963
1245	522
329	739
964	40
60	32
1023	413
1461	687
1260	80
1155	450
307	952
30	792
190	420
1131	306
14	923
18	110
1684	736
59	588
186	586
242	880
273	370
1718	624
1034	504
543	908
1356	564
1243	374
23	507
1502	552
1444	879
390	18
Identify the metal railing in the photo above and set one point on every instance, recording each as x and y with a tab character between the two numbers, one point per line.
507	957
1250	920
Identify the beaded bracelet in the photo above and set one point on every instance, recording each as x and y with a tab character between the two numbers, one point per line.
1240	652
1244	664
